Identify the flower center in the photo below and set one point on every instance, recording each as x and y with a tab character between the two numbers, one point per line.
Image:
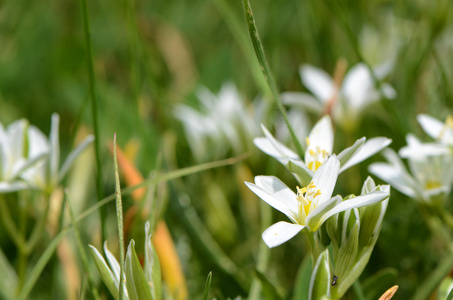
431	184
307	200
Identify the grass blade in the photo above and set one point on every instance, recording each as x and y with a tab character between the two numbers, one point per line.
207	286
259	51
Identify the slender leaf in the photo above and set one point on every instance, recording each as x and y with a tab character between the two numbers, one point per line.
207	286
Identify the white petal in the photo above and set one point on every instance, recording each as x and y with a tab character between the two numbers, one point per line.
430	125
317	81
279	197
321	136
395	177
274	148
357	85
371	147
280	232
356	202
303	101
313	219
325	178
423	150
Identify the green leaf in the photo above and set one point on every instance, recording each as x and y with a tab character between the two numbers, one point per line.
377	284
320	278
152	266
8	284
107	276
345	261
207	286
303	279
136	283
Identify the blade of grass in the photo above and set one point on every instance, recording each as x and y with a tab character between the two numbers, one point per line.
82	252
207	286
259	51
92	84
119	216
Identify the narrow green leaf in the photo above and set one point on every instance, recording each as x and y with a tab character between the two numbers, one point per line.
320	278
107	275
303	279
119	216
152	266
207	286
136	283
9	282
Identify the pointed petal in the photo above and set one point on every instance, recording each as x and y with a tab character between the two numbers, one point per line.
274	148
321	136
313	219
356	202
73	155
357	85
276	194
280	232
106	274
113	262
398	179
371	147
347	153
430	125
8	187
325	178
317	81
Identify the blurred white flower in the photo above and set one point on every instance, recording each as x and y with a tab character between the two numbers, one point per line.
441	132
319	146
311	206
223	123
46	173
431	170
21	146
356	92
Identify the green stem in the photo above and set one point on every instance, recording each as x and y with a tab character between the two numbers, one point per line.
22	251
10	227
92	84
259	51
39	228
119	215
82	252
316	246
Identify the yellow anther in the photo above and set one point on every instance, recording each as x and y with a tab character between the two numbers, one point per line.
311	185
432	185
307	141
449	121
312	153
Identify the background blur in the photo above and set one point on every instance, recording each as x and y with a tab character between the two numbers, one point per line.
150	56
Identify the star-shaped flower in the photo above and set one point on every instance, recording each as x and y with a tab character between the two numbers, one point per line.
319	147
311	206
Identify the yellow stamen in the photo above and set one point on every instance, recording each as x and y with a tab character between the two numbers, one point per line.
307	141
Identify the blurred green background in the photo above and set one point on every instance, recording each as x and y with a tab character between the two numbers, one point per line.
150	56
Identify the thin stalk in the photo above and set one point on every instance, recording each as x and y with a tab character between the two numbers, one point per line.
22	251
39	228
259	51
92	84
82	252
358	290
119	215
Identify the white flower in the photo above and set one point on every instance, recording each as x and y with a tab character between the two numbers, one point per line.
223	123
441	132
20	148
45	174
355	93
431	170
319	147
311	206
